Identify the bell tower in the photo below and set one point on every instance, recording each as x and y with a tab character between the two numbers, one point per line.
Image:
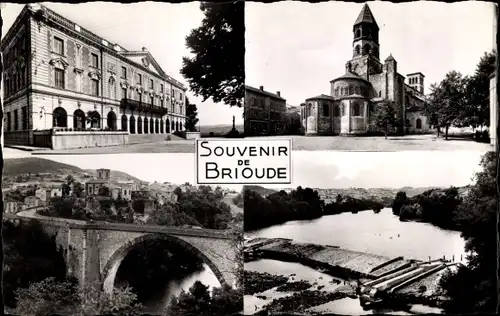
365	31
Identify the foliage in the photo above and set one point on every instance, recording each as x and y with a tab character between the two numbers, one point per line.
104	191
473	289
447	101
280	207
191	116
47	297
344	204
238	200
385	116
51	297
477	91
224	301
30	255
217	69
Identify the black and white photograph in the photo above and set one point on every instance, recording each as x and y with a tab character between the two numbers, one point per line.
374	76
115	78
362	233
104	235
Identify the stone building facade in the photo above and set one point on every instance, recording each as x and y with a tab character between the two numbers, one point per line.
264	112
493	110
367	83
117	189
59	75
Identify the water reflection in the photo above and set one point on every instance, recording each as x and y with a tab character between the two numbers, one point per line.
382	234
158	304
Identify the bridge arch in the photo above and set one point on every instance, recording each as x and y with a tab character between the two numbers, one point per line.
113	264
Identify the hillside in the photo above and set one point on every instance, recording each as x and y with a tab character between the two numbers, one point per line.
19	166
261	190
380	194
33	165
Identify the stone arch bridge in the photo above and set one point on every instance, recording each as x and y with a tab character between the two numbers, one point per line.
94	250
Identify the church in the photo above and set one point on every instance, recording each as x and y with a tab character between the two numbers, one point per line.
368	82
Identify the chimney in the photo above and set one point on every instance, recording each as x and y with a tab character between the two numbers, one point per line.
144	49
278	93
261	88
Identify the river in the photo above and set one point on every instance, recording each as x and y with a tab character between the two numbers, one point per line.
157	305
366	231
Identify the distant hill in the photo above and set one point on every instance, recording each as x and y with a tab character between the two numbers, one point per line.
19	166
117	175
261	190
219	129
384	195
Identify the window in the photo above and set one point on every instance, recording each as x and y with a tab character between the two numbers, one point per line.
151	84
139	96
139	78
58	46
9	126
419	123
161	87
336	111
356	109
124	93
161	102
59	78
152	99
342	110
24	111
94	87
380	94
180	96
124	73
326	110
94	61
16	120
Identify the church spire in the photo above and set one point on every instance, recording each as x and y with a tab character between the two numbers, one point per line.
365	31
366	16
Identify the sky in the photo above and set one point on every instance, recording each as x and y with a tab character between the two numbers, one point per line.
160	27
331	169
323	169
297	48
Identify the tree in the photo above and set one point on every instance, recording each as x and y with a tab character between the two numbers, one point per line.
217	69
52	297
191	116
66	186
103	191
477	89
447	101
385	116
473	288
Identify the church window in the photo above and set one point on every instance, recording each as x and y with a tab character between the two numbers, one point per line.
419	123
375	52
326	109
366	49
336	110
357	49
356	90
356	110
358	33
351	90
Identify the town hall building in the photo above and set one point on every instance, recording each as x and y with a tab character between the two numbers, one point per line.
60	76
367	83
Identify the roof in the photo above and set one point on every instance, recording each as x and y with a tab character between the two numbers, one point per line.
350	75
96	181
264	92
365	16
416	73
321	97
389	58
153	67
